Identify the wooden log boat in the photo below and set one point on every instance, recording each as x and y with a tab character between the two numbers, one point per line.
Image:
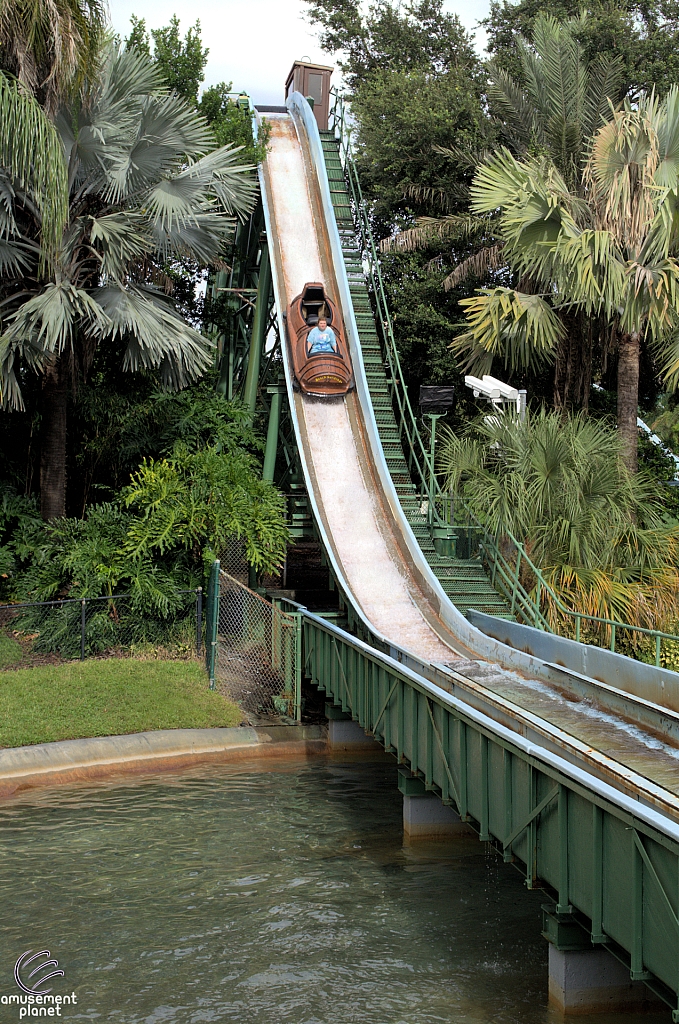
320	373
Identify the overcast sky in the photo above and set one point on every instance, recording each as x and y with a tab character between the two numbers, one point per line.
253	43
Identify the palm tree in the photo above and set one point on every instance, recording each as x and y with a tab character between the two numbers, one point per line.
46	45
561	488
560	102
145	186
609	252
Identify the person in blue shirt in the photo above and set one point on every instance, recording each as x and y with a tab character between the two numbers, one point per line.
321	339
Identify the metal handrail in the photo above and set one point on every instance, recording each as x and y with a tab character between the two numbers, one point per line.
504	575
417	455
542	587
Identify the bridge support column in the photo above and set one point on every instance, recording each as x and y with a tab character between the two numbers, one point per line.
592	981
276	391
424	816
258	336
585	978
343	734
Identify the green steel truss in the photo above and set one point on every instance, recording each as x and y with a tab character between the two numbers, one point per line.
613	878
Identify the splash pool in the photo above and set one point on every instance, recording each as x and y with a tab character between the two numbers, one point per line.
269	894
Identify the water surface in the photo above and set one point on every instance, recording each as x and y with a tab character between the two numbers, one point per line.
268	894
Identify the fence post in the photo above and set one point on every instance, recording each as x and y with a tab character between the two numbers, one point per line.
211	623
516	578
82	629
298	666
199	620
276	636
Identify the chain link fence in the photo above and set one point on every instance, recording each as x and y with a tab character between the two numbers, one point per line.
44	631
255	656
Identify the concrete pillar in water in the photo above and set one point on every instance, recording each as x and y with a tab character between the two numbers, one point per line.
584	978
343	734
424	815
592	981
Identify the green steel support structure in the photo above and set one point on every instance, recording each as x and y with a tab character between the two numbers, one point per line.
276	392
259	330
609	864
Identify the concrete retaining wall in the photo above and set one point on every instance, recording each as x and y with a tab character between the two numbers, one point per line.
44	764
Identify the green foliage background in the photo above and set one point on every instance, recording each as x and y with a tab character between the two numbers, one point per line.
159	483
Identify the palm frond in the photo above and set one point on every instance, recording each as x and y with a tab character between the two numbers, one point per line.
12	354
667	174
128	78
14	256
167	131
522	328
219	176
430	230
443	198
200	237
120	237
498	182
606	76
51	318
32	153
156	335
478	265
466	156
518	114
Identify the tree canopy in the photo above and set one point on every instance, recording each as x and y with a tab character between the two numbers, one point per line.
643	35
414	36
179	62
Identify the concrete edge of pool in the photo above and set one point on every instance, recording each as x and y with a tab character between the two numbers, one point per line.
48	764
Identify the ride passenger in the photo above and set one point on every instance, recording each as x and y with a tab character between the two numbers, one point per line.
321	338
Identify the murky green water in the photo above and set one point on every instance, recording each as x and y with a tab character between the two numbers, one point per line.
265	894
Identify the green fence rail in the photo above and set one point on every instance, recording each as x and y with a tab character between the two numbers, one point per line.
442	511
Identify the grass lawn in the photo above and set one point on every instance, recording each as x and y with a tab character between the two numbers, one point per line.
11	652
107	697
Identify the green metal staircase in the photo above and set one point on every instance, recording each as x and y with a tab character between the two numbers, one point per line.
464	580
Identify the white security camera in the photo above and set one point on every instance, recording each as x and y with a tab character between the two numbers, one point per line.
509	394
497	392
483	388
